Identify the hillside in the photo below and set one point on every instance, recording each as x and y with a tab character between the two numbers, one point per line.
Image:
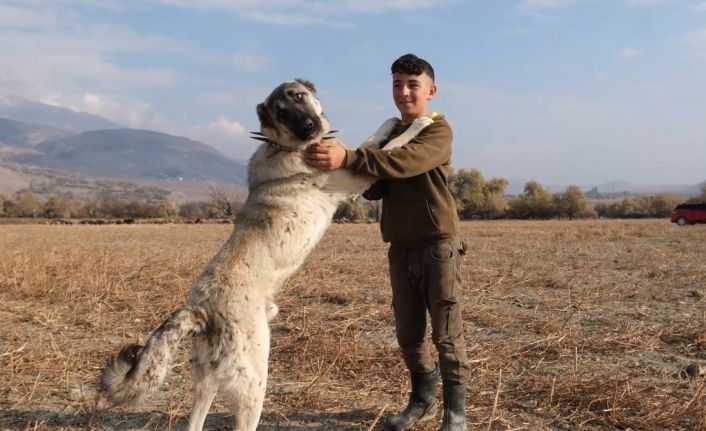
129	153
18	134
44	182
28	111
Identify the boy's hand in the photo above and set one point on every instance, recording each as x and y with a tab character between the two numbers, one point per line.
326	155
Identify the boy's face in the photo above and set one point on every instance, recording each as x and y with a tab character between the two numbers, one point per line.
411	94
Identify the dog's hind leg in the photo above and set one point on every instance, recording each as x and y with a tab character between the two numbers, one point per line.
244	379
246	402
205	385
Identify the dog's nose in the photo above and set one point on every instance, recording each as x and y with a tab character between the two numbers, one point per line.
309	124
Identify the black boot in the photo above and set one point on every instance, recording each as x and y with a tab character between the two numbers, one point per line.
421	405
454	406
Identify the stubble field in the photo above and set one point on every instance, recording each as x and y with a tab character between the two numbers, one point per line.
570	325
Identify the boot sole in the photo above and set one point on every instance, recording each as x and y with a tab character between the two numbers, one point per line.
430	414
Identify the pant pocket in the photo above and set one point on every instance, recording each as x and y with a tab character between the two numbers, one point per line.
440	274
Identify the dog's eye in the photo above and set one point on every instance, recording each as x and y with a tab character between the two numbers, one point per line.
299	97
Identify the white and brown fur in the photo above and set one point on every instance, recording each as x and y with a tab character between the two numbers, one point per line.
288	209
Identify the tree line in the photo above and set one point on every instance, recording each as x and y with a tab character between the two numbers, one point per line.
486	199
222	202
476	198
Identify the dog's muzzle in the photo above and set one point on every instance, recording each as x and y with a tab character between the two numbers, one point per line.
307	128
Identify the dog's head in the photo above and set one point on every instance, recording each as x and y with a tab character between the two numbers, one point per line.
291	115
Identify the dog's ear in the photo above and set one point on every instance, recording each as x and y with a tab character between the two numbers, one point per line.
309	86
264	117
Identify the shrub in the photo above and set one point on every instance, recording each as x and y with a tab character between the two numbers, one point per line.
534	203
572	203
477	198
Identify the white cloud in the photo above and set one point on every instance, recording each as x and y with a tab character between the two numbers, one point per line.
63	58
293	19
250	61
311	7
543	4
54	49
539	8
629	54
305	12
639	3
130	112
222	133
226	128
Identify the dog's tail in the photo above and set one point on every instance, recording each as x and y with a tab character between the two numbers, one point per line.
137	369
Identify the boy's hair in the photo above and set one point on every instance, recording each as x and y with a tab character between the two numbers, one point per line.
412	65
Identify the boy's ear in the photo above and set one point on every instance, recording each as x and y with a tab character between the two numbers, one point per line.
309	86
432	91
264	117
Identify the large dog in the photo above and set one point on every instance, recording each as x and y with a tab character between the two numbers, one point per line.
288	209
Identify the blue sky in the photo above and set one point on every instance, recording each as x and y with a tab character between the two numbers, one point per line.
560	91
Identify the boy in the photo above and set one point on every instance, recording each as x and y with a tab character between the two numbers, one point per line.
419	219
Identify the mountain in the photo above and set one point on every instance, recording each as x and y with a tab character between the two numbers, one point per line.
617	187
648	189
16	134
23	110
131	153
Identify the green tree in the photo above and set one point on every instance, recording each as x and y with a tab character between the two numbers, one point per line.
495	200
535	202
573	203
477	198
467	189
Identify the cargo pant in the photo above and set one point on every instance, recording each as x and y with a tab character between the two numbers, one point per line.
428	279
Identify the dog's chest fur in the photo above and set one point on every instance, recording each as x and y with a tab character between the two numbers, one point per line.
284	217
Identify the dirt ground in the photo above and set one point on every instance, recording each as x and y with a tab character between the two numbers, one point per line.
570	325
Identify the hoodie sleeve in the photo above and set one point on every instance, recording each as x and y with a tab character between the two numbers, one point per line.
430	149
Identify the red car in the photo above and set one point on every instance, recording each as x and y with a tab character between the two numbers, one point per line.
685	214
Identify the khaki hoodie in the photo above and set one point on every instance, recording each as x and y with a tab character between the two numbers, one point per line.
418	208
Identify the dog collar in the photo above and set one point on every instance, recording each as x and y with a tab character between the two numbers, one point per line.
280	147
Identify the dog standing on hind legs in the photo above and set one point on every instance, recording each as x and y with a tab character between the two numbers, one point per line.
288	209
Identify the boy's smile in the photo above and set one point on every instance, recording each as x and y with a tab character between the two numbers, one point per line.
411	94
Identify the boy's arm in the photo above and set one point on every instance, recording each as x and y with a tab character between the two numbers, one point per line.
430	149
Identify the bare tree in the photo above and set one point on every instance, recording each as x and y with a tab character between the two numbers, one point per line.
223	201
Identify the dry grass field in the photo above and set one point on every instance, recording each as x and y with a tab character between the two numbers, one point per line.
583	325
